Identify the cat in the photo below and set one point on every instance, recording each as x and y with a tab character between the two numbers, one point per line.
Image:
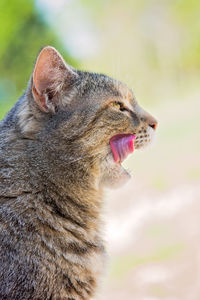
61	144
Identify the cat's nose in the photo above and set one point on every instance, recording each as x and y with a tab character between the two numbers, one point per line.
147	118
152	122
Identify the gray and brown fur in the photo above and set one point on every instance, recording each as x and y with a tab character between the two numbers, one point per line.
55	160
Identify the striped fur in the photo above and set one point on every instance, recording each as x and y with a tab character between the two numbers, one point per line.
54	163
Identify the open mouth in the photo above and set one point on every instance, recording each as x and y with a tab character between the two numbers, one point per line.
122	145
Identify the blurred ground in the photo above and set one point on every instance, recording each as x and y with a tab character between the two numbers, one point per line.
153	244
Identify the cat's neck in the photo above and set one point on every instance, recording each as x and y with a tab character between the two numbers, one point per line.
72	190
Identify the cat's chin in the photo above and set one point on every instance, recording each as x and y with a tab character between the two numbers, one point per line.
113	174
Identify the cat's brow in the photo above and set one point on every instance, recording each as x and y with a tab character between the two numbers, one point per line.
128	103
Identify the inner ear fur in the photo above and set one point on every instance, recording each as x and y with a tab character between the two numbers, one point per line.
49	76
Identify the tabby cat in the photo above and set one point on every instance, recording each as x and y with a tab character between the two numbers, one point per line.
60	145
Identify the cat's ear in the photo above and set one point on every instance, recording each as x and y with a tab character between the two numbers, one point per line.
50	75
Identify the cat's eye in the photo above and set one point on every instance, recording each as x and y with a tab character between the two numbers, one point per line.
119	106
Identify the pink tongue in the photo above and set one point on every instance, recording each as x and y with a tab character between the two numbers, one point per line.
122	145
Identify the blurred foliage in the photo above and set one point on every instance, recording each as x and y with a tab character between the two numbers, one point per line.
137	40
23	32
149	43
178	18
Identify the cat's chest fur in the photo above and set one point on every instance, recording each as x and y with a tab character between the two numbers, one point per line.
56	242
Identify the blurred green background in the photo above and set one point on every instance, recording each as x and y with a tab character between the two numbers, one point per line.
154	47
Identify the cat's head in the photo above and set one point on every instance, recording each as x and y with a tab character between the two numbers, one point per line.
89	116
